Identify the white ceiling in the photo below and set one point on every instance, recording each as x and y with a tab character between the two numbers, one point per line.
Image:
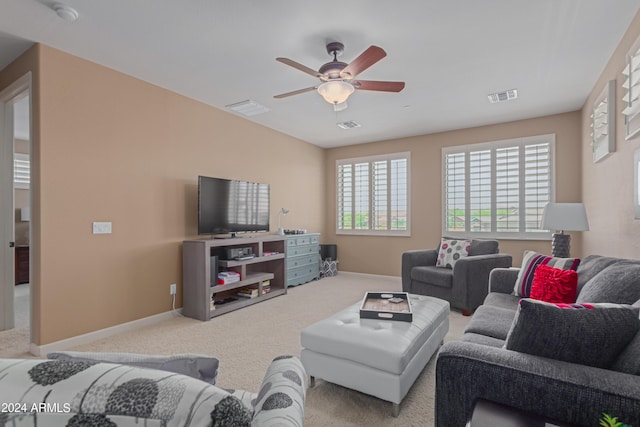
451	54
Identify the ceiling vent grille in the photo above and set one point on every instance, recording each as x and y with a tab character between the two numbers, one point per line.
348	125
507	95
247	108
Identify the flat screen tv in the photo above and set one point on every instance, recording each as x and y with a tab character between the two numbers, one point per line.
231	206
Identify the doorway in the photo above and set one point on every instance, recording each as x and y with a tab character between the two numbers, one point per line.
15	202
22	210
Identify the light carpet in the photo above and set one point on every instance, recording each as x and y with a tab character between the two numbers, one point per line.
245	341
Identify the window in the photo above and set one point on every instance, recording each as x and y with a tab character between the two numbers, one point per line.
373	195
21	170
631	89
498	189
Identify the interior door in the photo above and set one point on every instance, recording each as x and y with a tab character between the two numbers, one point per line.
6	215
8	96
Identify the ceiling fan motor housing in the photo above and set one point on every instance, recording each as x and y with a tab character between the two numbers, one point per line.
331	70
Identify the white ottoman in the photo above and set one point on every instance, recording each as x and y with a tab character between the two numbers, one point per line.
382	358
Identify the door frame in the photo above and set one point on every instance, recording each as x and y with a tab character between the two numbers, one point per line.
12	93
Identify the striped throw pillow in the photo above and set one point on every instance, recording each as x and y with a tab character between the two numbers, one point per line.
530	261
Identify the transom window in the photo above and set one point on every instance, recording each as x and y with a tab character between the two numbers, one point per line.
498	189
373	195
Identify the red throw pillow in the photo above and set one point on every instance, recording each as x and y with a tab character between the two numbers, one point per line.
554	285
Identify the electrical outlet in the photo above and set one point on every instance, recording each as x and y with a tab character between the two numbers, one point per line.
172	289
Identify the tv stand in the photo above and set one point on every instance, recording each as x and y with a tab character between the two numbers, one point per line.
264	274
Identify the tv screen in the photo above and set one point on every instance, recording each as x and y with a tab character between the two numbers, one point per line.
231	206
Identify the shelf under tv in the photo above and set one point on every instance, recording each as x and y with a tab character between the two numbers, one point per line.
198	258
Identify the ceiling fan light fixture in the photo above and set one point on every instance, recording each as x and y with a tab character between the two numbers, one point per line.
340	107
336	92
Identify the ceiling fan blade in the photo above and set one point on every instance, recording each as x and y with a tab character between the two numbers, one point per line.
296	92
366	59
299	66
378	85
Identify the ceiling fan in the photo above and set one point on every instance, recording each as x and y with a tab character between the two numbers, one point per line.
338	79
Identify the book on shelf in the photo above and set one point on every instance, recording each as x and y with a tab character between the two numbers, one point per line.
226	277
248	293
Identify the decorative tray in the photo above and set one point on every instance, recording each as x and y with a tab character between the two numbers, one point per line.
386	306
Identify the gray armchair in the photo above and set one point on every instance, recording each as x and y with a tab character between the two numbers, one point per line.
465	286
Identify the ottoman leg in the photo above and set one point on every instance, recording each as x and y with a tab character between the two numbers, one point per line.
312	381
395	410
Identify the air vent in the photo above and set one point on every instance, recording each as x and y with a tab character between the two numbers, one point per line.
247	108
507	95
348	125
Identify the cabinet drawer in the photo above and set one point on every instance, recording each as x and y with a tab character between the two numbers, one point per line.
302	277
302	250
304	239
298	241
300	261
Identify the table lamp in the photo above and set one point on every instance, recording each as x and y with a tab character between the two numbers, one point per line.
283	211
563	217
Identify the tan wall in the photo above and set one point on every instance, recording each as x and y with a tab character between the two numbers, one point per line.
607	188
125	151
382	255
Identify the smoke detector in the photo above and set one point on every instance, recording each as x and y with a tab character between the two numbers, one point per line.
65	12
507	95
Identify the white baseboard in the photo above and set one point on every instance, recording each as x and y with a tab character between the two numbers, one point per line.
369	275
42	350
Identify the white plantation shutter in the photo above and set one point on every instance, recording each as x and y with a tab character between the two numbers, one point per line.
455	192
345	197
373	195
631	91
497	189
508	189
380	194
537	179
399	195
480	194
21	170
361	196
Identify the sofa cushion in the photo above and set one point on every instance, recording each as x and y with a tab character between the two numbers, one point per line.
482	339
592	265
587	334
618	283
88	393
629	360
530	261
554	284
483	247
442	277
493	322
202	367
498	299
451	250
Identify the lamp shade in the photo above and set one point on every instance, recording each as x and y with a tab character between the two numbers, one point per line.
565	216
335	91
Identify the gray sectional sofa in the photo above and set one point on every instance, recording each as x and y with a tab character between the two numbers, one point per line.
480	366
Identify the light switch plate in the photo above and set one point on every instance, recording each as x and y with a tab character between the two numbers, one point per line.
102	228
